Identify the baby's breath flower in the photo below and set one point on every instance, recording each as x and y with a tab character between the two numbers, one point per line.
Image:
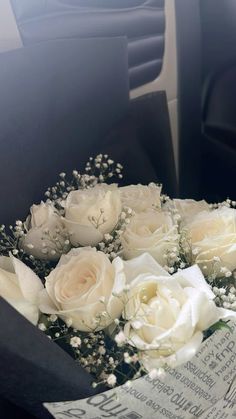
75	342
52	318
42	327
120	338
102	350
111	380
69	322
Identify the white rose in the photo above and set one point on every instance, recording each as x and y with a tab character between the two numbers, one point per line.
189	207
213	236
166	315
151	231
83	289
91	213
141	197
20	287
46	237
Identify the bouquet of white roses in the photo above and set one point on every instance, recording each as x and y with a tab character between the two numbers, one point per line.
125	279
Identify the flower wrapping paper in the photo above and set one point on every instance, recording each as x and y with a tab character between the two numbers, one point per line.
204	387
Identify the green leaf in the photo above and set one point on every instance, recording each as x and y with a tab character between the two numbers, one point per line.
220	325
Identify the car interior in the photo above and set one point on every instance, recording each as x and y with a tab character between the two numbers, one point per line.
152	83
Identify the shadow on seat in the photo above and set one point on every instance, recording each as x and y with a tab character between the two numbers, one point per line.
58	100
142	143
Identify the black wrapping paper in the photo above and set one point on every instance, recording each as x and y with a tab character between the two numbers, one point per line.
33	369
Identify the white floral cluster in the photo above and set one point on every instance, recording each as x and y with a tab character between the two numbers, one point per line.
224	299
97	170
130	279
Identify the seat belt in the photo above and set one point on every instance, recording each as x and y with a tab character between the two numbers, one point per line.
9	34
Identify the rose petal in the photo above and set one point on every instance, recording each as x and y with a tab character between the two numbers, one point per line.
81	235
143	264
188	351
29	282
193	277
